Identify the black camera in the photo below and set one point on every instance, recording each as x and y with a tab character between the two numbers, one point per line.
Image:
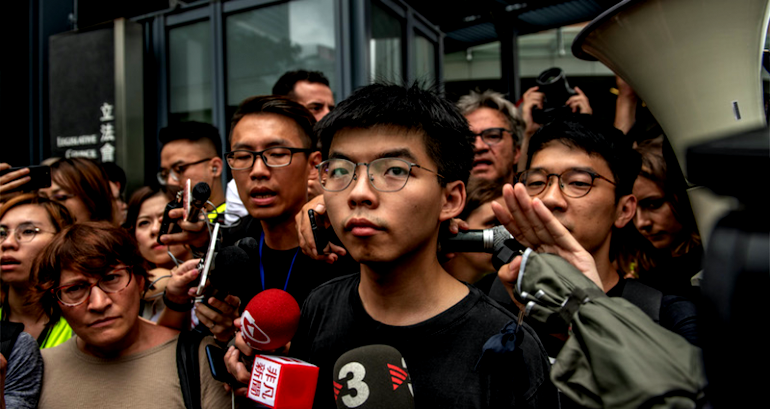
553	83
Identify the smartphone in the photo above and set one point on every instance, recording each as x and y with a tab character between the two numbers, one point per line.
167	225
40	177
216	357
319	233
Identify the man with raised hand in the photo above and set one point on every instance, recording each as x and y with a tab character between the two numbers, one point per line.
575	193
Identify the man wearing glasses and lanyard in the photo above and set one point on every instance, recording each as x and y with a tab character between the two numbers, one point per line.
193	150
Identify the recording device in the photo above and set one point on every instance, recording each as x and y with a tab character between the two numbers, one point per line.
476	241
204	266
196	200
40	177
496	241
319	233
167	224
553	83
283	383
372	377
228	265
270	320
216	358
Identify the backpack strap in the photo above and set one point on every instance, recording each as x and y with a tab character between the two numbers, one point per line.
188	368
643	296
9	332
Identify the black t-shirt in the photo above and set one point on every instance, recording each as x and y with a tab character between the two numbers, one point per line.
290	269
441	353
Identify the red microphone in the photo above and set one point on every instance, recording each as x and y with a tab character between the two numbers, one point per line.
270	320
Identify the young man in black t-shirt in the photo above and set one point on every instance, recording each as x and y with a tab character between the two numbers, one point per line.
397	162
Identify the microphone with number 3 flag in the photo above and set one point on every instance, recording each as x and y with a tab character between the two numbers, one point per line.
372	377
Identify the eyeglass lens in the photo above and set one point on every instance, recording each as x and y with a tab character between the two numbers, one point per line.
385	174
24	232
574	182
77	293
273	157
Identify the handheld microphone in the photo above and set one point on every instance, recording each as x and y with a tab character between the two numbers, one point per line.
282	383
200	194
476	241
250	246
270	320
228	264
372	377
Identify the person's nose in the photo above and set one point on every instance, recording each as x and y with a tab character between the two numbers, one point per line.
552	196
10	242
98	300
362	192
259	170
479	145
642	221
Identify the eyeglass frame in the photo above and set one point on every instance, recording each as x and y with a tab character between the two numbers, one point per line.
178	170
55	291
261	153
548	176
368	176
481	135
17	236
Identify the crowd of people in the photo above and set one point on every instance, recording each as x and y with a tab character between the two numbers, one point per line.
387	173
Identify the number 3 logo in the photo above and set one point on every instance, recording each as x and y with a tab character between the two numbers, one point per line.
356	383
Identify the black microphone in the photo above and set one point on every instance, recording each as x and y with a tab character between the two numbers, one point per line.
200	195
476	241
250	246
372	377
166	223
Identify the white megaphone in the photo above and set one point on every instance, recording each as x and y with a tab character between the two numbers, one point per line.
695	63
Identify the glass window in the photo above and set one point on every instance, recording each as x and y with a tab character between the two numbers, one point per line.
189	73
424	60
264	43
385	46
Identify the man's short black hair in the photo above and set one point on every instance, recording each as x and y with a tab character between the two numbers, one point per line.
448	139
193	131
279	105
596	139
285	84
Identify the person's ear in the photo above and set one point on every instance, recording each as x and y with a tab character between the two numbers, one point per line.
625	210
314	158
216	167
453	200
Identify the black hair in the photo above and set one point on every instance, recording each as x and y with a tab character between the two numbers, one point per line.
115	174
193	131
280	105
596	139
447	136
285	84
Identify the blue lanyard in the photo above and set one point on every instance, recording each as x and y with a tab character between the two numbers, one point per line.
262	267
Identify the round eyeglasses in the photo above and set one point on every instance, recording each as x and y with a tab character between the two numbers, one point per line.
492	136
573	183
176	171
24	232
276	157
77	293
385	174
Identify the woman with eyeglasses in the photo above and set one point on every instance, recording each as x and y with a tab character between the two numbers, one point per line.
27	224
145	211
82	186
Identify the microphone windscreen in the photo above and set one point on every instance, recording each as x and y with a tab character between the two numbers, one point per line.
250	246
270	320
201	192
229	263
372	377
